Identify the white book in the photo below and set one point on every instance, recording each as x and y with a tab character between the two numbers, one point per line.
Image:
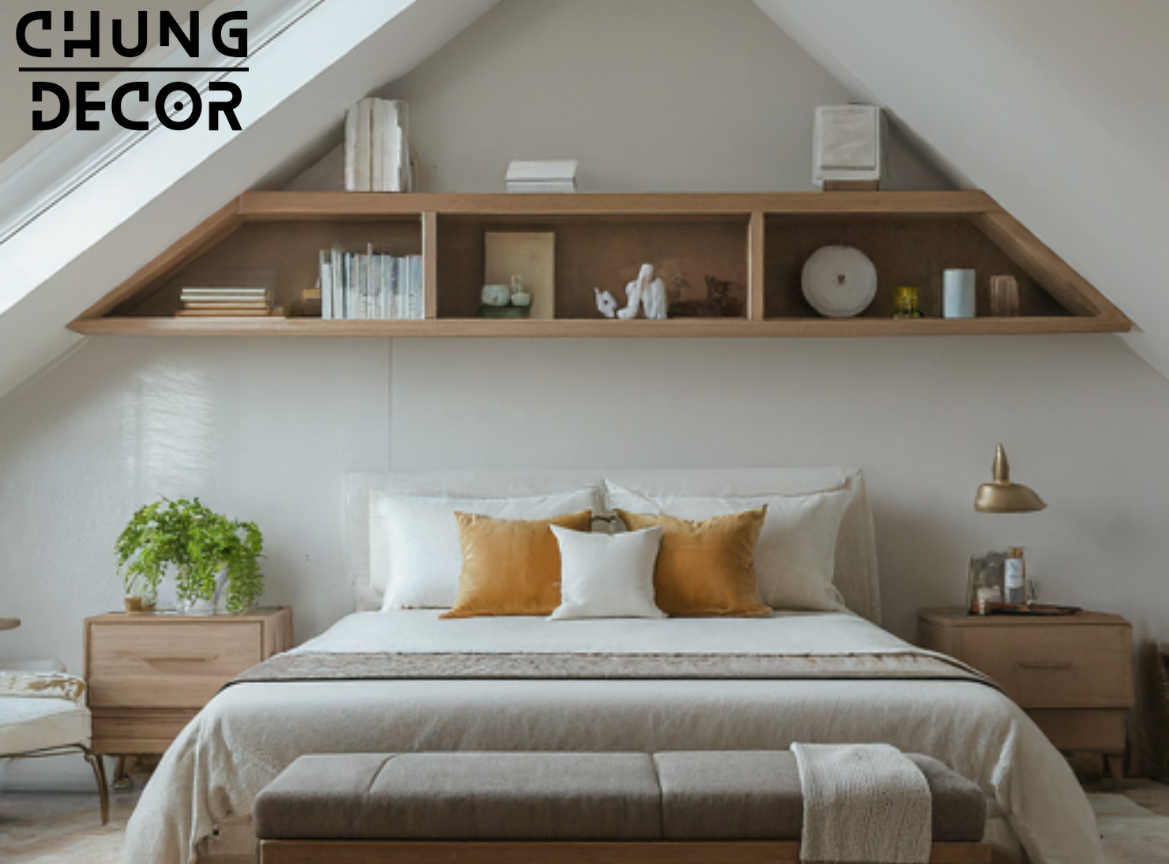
540	187
351	149
362	149
326	286
417	307
337	275
560	169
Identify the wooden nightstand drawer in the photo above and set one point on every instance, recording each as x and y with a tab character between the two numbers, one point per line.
167	664
1062	667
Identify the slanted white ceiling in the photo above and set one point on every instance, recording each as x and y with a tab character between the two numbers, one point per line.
1055	107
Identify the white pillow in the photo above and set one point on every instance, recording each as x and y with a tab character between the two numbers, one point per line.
608	576
795	556
423	558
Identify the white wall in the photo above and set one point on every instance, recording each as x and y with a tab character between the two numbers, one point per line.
266	429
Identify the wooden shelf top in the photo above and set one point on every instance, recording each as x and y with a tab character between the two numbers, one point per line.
957	616
584	328
276	206
258	614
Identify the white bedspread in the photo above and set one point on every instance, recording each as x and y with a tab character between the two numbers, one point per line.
250	732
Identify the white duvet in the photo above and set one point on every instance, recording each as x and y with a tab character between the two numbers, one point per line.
251	732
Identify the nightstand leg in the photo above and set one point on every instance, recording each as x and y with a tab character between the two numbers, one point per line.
1116	769
121	777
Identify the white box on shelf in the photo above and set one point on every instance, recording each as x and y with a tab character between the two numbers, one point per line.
849	144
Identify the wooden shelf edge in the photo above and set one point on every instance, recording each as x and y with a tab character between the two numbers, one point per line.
589	328
277	206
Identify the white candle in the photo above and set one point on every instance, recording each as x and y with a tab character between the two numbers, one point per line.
958	294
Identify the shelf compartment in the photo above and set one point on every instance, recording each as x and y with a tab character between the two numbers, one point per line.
906	250
282	257
595	252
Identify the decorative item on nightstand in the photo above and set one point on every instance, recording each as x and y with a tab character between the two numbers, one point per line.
214	558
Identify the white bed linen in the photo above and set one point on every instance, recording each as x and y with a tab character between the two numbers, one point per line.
250	732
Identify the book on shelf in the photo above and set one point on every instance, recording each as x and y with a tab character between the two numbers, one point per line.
546	176
370	286
228	302
377	147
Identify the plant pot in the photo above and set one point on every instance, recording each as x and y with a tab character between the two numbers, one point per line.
138	605
198	607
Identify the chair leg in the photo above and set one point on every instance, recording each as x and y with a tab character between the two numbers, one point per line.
99	773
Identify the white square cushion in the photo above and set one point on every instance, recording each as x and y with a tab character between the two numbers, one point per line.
795	556
608	576
37	724
423	554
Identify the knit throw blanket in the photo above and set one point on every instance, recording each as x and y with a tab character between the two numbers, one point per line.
863	803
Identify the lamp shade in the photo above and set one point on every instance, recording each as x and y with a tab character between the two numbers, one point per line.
1003	496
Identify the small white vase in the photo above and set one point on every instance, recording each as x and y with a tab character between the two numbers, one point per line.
197	607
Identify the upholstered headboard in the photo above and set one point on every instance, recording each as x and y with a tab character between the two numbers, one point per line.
856	552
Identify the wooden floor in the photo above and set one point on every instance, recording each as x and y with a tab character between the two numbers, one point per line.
62	827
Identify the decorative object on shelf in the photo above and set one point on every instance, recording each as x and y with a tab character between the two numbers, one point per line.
849	147
215	559
310	302
906	302
531	255
1003	496
722	300
225	303
368	286
499	301
958	294
1004	296
606	303
520	296
643	292
496	295
377	147
839	281
550	176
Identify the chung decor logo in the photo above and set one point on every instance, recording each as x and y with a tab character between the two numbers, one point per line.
178	105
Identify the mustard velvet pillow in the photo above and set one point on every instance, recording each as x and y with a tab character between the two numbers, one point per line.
705	568
511	566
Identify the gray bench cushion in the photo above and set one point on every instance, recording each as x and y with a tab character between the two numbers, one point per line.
731	795
463	796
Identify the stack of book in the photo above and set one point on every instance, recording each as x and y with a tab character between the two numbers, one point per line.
377	147
225	303
542	176
368	286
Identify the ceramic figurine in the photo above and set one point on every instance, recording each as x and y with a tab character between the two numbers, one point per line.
634	292
654	300
519	297
496	295
606	303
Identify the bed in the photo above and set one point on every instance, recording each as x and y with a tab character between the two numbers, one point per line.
402	681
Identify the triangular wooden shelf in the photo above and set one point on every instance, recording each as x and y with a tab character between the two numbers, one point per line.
757	241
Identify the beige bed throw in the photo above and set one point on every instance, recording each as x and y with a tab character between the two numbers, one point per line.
863	803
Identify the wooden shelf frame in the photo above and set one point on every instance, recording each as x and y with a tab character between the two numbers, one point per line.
1088	311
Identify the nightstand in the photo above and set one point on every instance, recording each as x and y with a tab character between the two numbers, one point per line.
149	674
1072	674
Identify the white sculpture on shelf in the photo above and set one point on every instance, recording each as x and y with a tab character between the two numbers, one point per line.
520	296
606	303
647	291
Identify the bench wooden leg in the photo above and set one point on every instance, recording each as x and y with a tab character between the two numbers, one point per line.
659	852
1116	770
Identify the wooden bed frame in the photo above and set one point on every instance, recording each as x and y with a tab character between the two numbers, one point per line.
529	852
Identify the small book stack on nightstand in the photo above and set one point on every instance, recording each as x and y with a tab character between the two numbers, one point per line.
1072	674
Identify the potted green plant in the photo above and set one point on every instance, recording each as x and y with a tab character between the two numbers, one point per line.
214	558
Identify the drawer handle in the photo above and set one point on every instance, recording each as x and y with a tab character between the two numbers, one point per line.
177	659
1044	664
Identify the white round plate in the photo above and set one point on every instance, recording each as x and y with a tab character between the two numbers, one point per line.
839	281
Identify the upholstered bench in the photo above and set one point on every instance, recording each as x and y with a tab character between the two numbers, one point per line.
744	807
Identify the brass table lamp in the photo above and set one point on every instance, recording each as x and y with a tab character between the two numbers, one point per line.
1003	496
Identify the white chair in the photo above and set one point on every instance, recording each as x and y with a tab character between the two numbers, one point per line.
33	725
